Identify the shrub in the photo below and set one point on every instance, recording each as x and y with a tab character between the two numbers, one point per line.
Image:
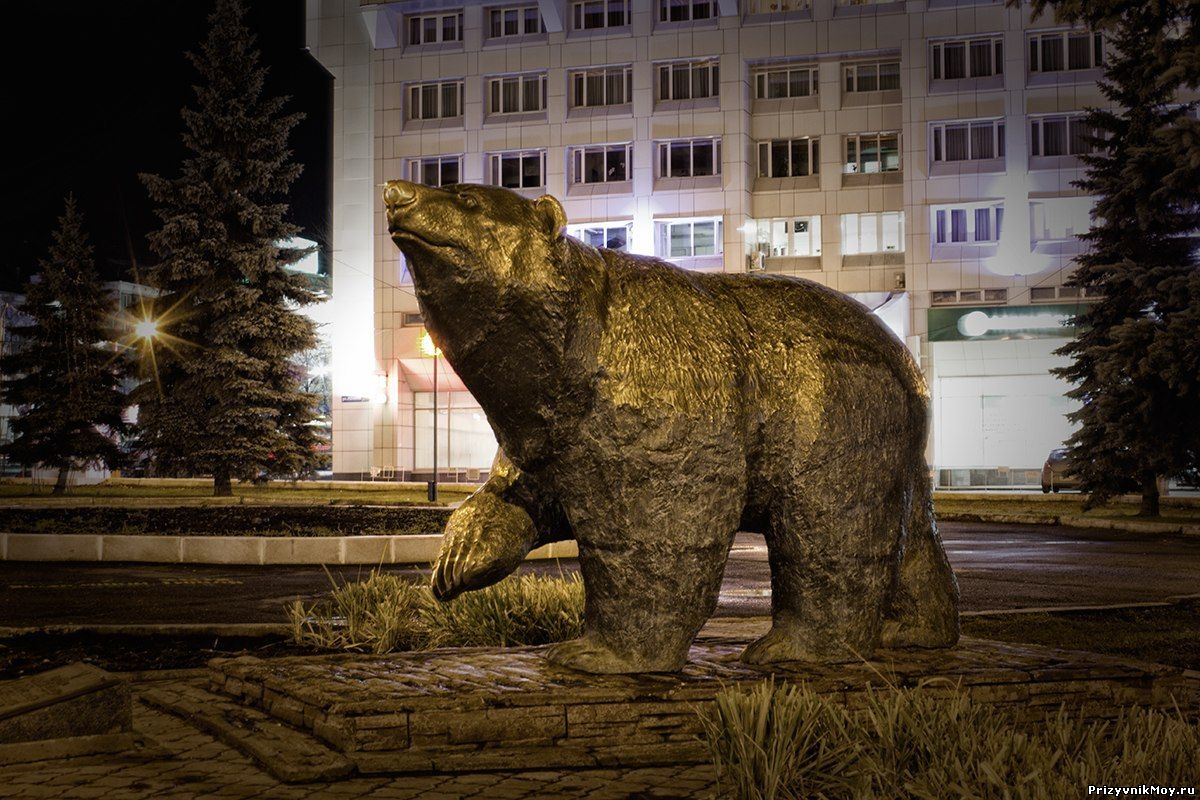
773	741
384	613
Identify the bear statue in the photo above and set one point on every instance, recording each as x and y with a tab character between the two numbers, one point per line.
651	412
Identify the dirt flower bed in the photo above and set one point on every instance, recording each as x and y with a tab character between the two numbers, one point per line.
231	520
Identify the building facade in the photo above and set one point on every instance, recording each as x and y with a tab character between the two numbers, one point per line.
918	155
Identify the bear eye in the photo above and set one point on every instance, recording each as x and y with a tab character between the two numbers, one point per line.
468	200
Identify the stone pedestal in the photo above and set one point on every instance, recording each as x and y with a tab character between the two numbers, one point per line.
480	709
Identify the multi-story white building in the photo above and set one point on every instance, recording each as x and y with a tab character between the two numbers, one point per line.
918	155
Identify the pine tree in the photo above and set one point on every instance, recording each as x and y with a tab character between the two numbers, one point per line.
225	397
1136	350
65	376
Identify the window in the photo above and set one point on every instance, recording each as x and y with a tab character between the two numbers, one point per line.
612	86
968	141
968	58
437	171
789	158
514	94
689	238
1065	50
517	21
1058	219
686	10
1064	135
435	28
968	224
790	82
612	235
688	81
689	158
776	6
592	14
879	77
601	164
435	100
872	152
872	233
522	170
798	236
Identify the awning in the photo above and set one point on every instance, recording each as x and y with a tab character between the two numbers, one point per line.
418	374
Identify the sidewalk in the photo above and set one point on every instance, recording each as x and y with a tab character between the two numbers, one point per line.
182	762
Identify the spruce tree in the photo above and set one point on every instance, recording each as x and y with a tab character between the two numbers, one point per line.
225	398
1136	350
65	376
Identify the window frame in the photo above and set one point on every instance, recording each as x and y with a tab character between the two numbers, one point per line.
937	57
941	220
579	18
495	165
937	140
789	231
495	83
762	82
813	146
664	7
576	156
1037	135
415	24
577	228
1035	50
416	103
879	227
663	149
856	139
850	74
573	76
662	236
712	78
422	161
522	20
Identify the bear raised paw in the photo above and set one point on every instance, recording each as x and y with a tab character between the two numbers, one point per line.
651	412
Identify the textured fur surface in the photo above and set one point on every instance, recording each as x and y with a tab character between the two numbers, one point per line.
651	412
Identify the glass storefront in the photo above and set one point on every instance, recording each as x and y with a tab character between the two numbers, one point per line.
464	438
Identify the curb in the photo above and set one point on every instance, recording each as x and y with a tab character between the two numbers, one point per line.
237	550
1074	521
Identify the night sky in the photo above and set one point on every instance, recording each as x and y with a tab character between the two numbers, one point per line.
92	97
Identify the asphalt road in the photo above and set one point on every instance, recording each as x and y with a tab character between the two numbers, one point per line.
998	567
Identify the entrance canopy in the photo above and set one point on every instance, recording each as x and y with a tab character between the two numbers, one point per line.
418	373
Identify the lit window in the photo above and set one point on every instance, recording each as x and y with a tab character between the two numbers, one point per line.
777	84
1058	219
612	86
1061	135
789	158
611	235
437	171
877	77
602	164
798	236
523	170
966	58
688	81
435	28
967	141
593	14
1065	50
515	21
689	158
686	10
968	224
514	94
435	100
872	152
872	233
689	238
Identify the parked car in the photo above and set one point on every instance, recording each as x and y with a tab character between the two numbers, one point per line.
1056	472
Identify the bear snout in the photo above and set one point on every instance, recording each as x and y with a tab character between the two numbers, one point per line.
399	193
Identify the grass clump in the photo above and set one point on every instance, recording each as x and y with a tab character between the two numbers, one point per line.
385	614
773	742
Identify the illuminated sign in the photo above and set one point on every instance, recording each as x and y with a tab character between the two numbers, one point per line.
982	323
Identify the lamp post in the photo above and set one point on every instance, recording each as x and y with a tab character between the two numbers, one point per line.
431	349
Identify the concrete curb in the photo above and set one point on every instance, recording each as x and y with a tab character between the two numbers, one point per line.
1074	521
237	550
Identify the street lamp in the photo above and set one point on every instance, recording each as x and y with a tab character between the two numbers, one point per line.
146	329
430	349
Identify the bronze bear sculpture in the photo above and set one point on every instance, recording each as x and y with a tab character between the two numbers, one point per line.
651	412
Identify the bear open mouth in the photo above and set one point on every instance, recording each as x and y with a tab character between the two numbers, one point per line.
404	233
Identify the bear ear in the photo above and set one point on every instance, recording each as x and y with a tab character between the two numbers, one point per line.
551	212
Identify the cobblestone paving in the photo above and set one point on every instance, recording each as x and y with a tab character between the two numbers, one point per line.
194	765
